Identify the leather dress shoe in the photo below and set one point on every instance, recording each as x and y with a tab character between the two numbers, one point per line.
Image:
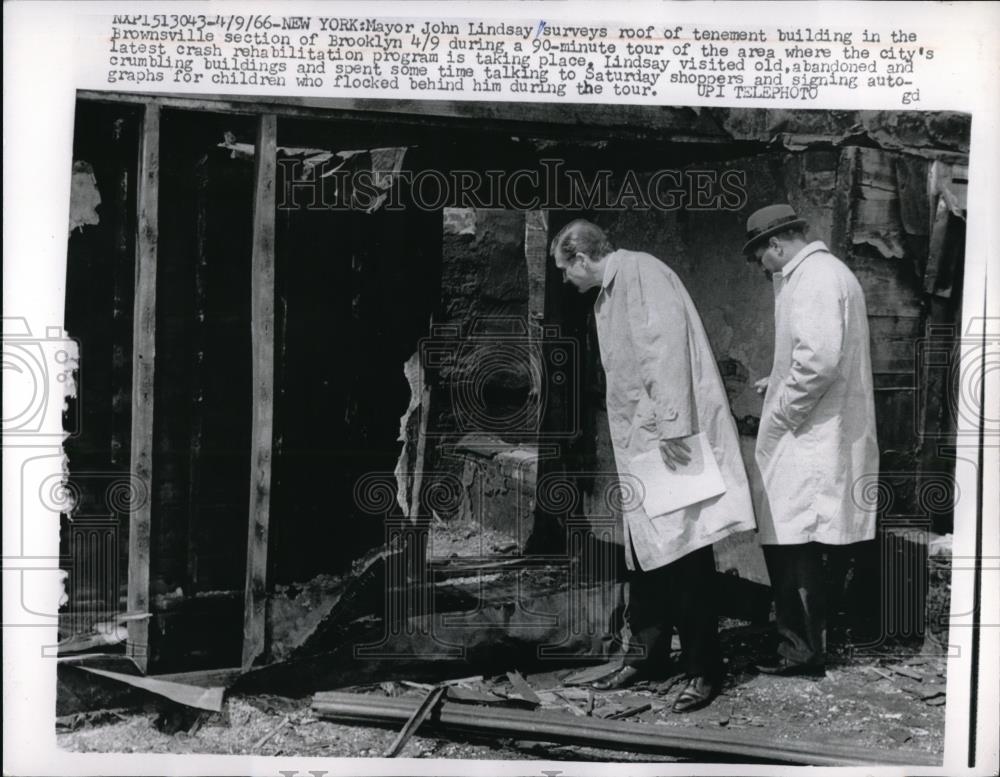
697	693
786	668
620	678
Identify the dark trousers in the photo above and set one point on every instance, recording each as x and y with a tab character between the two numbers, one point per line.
679	594
797	582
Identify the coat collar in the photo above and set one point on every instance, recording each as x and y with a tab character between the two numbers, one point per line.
611	268
811	248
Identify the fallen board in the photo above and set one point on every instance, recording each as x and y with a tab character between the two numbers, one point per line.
615	734
189	695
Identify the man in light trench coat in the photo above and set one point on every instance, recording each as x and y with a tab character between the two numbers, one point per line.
816	440
663	385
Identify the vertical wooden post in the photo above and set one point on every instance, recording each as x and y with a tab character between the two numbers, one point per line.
143	350
262	350
536	256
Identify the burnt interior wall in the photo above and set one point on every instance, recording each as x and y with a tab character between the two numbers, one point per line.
100	275
355	292
201	426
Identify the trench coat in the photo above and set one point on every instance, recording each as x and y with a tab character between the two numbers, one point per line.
816	447
662	383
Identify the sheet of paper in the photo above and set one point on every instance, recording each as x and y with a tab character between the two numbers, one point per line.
667	490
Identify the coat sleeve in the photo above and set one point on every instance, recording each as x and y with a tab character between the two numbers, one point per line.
816	325
658	325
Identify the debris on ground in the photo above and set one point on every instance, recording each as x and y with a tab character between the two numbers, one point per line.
846	705
888	701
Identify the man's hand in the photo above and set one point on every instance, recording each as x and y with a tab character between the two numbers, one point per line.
675	453
760	386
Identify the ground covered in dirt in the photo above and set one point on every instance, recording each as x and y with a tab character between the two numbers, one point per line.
881	703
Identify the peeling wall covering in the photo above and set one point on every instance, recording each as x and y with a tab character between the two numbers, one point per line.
409	431
877	217
460	221
84	197
928	133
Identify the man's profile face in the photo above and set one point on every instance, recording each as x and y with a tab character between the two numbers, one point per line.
768	256
574	270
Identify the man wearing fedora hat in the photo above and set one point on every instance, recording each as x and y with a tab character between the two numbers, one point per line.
817	429
662	387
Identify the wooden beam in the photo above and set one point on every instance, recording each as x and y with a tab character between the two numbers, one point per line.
143	351
536	255
631	121
638	122
262	350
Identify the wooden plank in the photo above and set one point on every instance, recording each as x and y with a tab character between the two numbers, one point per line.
262	350
553	726
143	352
938	240
419	715
205	678
536	255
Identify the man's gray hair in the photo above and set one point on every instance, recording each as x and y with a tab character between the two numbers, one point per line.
581	236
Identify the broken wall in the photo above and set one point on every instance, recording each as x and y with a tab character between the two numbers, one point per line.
94	502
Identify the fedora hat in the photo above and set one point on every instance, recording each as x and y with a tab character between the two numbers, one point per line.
768	221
